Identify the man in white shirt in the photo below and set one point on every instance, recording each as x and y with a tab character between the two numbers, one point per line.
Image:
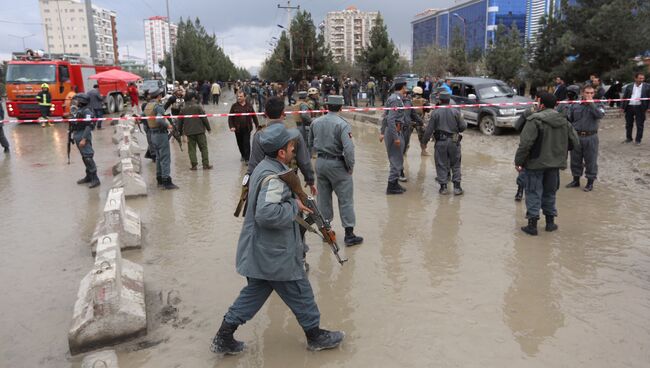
216	92
635	109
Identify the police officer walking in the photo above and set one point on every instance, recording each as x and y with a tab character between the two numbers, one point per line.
331	137
82	136
445	125
585	118
393	137
160	140
270	250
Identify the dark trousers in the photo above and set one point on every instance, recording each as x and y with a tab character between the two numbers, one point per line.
45	111
586	160
297	295
206	99
371	99
3	139
244	143
633	113
541	186
215	99
99	113
447	155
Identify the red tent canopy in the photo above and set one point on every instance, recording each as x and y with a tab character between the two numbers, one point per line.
115	75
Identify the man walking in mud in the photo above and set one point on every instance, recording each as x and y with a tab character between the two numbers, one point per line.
270	248
392	134
543	145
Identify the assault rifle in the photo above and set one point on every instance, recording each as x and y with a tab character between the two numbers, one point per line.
316	217
69	139
175	133
243	197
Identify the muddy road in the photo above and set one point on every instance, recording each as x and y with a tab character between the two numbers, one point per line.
439	281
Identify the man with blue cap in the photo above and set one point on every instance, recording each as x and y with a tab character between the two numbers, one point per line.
270	250
331	137
391	132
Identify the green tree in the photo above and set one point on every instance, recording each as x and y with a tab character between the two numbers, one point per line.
505	58
198	57
457	54
380	58
433	60
277	67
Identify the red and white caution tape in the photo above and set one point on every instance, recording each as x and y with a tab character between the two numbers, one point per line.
355	109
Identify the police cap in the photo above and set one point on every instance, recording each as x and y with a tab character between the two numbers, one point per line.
334	100
444	95
573	88
276	136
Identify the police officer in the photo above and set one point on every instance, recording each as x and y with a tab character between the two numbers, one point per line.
419	101
160	140
304	119
270	248
44	99
82	136
585	118
446	125
572	93
331	137
391	133
3	139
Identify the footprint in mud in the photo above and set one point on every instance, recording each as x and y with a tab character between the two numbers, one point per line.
170	313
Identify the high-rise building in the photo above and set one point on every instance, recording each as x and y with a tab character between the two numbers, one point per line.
347	32
79	27
157	40
474	20
538	9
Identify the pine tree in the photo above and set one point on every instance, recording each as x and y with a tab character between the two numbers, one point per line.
458	55
380	58
506	57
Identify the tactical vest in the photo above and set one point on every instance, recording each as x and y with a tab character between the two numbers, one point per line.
419	101
149	110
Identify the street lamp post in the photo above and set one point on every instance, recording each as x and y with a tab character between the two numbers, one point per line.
23	38
464	27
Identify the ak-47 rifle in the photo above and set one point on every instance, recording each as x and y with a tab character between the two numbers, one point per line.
316	217
243	197
69	139
175	133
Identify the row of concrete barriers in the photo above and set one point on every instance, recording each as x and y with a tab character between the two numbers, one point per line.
110	306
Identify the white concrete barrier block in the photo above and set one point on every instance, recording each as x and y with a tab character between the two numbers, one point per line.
110	306
136	164
100	359
131	181
118	218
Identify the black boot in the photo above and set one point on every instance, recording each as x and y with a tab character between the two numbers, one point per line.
319	339
443	189
400	187
550	223
351	239
224	342
167	184
520	193
85	179
457	189
159	180
402	177
531	229
393	188
575	183
590	185
94	180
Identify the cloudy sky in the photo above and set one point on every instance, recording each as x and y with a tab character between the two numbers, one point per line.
244	28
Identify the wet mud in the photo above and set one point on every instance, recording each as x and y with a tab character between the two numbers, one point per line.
439	281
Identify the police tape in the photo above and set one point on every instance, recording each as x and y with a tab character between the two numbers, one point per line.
354	109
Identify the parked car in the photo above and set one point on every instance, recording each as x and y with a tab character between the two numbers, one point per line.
490	119
151	85
411	80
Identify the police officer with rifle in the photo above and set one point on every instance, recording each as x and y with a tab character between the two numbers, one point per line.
80	132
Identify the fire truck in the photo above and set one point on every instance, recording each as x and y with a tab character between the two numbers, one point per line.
27	71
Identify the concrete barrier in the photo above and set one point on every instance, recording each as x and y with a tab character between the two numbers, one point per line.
136	164
120	219
129	180
110	306
100	359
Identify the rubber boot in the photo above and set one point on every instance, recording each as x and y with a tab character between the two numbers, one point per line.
224	342
457	189
575	183
393	188
351	239
531	228
319	339
443	189
207	167
168	185
520	193
194	167
85	179
159	180
94	180
400	187
590	185
402	177
550	223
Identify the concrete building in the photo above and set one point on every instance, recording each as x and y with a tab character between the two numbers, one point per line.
79	27
347	32
157	40
475	20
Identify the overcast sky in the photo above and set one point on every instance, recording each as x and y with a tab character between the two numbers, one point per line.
244	28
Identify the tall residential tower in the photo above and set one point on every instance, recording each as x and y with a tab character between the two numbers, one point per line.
157	41
347	32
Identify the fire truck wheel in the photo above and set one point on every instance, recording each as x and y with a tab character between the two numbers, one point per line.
119	102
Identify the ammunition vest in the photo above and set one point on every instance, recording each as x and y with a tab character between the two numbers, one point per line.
419	101
149	110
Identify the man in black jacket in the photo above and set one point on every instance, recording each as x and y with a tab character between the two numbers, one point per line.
560	89
635	109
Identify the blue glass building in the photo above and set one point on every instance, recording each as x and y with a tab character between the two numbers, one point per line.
475	20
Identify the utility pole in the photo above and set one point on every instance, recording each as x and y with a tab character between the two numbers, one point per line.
289	9
171	44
